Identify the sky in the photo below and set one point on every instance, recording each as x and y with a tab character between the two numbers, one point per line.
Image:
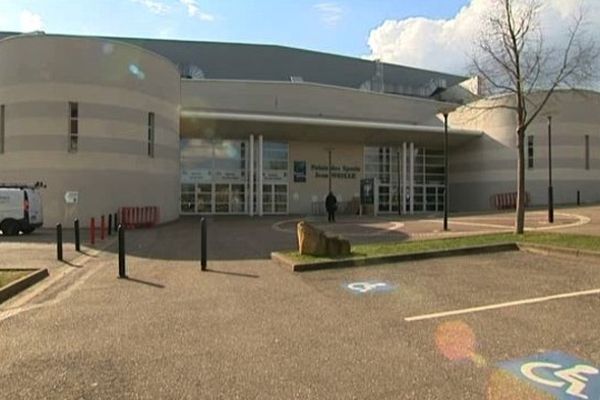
431	34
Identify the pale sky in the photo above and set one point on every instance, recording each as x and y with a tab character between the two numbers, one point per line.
431	34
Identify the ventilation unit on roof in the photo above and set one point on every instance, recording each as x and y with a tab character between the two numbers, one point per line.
191	71
296	79
378	79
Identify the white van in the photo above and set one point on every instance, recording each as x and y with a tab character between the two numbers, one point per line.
20	209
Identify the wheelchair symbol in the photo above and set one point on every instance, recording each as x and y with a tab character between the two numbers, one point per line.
575	376
364	287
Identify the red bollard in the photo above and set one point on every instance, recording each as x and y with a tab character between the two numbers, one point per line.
102	227
93	230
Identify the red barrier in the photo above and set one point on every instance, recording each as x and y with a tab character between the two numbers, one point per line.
503	201
92	231
139	217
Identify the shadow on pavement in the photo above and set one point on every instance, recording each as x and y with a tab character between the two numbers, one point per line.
156	285
232	273
229	238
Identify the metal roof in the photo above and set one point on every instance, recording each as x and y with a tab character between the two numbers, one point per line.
216	60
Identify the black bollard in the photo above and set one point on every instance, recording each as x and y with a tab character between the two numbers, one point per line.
59	242
77	237
109	224
116	222
203	244
578	198
121	232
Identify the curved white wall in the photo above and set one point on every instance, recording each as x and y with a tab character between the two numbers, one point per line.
488	165
115	85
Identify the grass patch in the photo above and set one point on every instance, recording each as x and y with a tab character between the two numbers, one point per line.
7	277
580	242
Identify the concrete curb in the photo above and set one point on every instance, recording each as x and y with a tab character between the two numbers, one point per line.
25	282
547	249
296	266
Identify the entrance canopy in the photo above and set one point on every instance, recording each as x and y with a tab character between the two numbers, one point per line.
230	125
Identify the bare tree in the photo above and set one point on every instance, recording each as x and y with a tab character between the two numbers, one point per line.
513	60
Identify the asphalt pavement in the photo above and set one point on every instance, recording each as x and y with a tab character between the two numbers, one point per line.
249	329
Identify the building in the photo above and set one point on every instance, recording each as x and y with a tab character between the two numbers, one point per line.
219	128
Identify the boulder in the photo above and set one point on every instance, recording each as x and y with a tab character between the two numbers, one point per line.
313	241
337	246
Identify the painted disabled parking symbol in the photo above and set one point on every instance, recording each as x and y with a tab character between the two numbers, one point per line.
366	287
557	373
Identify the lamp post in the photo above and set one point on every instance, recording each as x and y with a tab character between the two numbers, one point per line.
398	184
550	189
329	150
445	170
445	111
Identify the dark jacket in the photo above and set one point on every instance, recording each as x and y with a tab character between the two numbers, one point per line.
330	203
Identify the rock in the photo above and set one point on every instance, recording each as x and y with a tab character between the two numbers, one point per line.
313	241
337	246
345	248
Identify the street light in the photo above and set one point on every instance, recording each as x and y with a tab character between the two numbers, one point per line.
329	150
445	111
550	189
399	194
445	170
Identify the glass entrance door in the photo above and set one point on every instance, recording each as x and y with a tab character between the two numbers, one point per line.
204	198
222	198
230	198
213	198
388	198
275	198
434	198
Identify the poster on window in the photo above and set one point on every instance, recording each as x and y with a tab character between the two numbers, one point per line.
299	171
367	191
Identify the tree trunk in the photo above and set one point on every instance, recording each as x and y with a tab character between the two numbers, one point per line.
520	214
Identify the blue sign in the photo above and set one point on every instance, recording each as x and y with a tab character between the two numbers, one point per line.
368	287
561	375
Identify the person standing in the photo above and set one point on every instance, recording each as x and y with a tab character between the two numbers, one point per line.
331	206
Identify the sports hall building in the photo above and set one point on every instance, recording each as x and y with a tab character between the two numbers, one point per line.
224	128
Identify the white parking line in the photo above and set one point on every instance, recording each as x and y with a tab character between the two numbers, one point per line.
502	305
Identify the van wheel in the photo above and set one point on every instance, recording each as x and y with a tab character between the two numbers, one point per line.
10	227
28	230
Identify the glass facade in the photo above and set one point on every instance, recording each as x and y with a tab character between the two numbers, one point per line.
215	177
391	167
275	178
233	177
383	164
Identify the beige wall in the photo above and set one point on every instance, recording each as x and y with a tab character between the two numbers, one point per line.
306	99
487	166
301	195
39	75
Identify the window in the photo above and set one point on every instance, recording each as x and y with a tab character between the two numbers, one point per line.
151	134
587	151
530	152
73	126
2	127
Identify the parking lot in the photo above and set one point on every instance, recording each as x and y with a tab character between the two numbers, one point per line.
502	307
248	328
